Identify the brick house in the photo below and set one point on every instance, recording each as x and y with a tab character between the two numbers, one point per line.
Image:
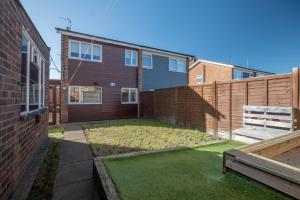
24	66
102	78
204	71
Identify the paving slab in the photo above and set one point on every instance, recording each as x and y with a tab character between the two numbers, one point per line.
84	190
74	179
75	172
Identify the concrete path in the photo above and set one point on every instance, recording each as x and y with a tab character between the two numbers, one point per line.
74	179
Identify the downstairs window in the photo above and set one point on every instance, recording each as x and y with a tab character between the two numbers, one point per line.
85	95
32	76
129	95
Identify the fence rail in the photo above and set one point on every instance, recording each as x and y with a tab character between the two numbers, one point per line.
218	106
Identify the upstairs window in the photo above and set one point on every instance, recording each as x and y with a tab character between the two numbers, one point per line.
172	65
129	95
199	79
177	65
85	51
147	61
74	49
34	55
97	49
239	74
130	57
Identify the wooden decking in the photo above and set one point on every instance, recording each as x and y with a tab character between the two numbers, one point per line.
291	157
275	163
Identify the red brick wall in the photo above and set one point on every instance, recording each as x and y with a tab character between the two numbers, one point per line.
111	69
19	139
211	72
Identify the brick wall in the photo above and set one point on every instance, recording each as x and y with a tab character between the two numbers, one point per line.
87	73
19	138
210	72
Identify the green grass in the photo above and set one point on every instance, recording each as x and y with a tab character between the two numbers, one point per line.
123	136
43	185
183	174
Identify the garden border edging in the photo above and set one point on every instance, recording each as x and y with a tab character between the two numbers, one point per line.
106	186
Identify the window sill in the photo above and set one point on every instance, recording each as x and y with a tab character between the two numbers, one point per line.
177	71
33	114
131	65
144	67
128	103
96	61
84	103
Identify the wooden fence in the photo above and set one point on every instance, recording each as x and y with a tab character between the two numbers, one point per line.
54	102
218	106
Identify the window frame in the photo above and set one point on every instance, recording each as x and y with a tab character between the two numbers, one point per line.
197	77
151	58
41	68
177	59
80	95
131	56
251	74
92	51
129	98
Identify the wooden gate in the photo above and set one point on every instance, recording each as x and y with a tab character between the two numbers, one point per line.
54	102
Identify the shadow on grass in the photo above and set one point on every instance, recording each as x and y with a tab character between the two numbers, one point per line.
131	122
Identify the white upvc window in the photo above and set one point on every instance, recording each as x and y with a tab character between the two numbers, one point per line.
177	65
199	79
131	58
85	51
239	74
129	95
74	49
32	76
85	95
147	61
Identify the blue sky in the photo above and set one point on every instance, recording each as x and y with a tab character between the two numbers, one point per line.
264	32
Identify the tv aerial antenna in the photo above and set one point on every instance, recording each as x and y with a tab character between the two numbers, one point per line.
68	19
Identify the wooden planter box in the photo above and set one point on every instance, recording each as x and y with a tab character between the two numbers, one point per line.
275	163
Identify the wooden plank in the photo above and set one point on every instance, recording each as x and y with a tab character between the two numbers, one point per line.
275	109
254	121
271	180
279	124
268	165
277	117
254	108
271	109
269	143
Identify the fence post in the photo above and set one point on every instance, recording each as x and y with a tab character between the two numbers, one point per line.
176	104
154	104
295	86
214	105
266	92
230	110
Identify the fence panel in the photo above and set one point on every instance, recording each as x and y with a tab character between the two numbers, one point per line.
219	106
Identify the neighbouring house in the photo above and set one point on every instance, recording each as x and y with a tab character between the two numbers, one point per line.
24	71
204	71
102	78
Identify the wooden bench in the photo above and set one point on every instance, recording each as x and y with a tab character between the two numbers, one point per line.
266	122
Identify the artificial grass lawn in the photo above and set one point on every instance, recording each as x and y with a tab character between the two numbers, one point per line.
123	136
43	185
183	174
